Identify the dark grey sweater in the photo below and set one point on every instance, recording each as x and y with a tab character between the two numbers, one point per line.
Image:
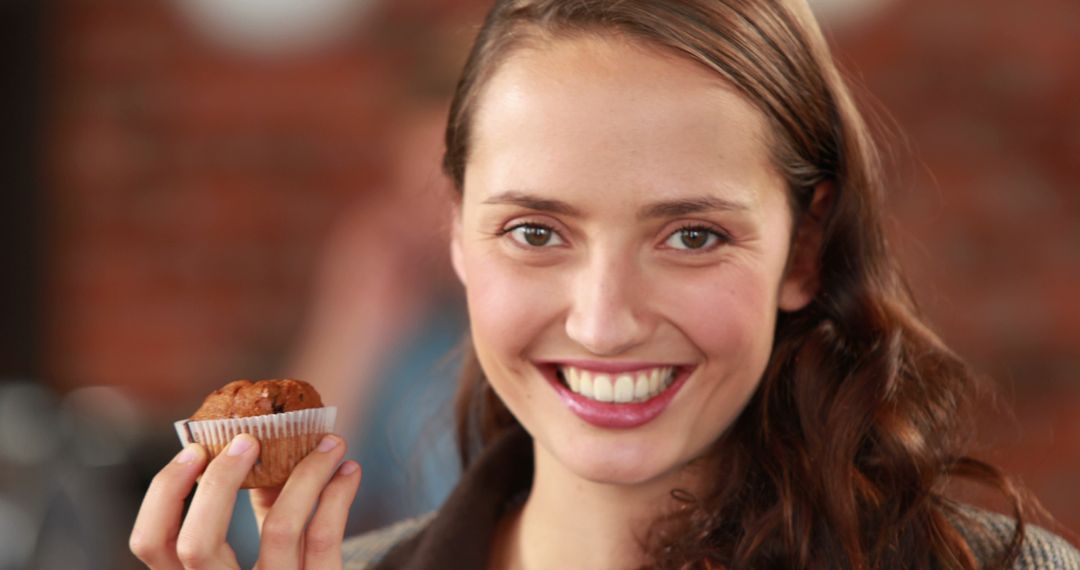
459	535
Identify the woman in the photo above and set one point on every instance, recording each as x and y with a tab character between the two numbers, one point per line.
690	346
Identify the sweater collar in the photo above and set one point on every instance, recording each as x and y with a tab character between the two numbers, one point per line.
461	533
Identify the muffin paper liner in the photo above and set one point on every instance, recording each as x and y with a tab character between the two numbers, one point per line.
284	439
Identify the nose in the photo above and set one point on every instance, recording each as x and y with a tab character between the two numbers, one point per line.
608	315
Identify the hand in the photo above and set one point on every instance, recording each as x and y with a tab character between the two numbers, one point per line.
287	538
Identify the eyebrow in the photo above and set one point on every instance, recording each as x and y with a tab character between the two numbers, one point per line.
525	200
684	206
664	209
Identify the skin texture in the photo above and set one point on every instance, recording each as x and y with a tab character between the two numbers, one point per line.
583	135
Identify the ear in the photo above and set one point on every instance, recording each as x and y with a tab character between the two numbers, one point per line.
802	275
456	258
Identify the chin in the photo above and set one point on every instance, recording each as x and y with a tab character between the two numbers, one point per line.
613	464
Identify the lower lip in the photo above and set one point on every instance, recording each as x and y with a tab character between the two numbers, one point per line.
617	416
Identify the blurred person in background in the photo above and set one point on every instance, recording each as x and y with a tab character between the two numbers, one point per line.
379	335
383	325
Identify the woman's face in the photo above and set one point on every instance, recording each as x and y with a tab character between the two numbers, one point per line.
622	236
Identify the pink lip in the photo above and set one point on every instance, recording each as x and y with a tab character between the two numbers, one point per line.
611	415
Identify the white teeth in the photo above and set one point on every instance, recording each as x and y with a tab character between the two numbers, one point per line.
586	384
624	388
602	389
641	388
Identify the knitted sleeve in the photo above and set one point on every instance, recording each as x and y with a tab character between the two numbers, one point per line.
988	535
364	551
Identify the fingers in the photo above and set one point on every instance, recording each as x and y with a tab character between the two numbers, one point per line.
261	501
202	536
326	531
153	538
283	527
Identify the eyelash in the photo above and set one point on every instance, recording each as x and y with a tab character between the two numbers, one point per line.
721	237
529	225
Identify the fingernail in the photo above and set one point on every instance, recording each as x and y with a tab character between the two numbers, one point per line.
329	442
348	468
186	455
240	444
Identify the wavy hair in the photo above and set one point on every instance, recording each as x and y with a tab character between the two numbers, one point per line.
841	457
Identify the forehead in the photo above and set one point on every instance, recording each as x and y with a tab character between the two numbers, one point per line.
596	111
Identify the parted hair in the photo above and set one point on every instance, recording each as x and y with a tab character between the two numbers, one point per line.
841	457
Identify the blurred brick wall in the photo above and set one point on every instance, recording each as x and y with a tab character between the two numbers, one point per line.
189	190
988	208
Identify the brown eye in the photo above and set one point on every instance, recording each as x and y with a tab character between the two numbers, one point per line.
537	236
534	235
693	238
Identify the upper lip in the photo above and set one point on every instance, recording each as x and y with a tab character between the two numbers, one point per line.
609	366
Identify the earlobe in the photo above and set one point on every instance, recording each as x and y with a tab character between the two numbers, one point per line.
802	275
796	293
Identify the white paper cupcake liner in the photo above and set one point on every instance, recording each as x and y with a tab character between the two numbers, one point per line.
284	439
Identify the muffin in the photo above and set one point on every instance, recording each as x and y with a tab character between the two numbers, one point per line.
286	416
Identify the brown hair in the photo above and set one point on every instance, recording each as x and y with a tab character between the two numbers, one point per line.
840	458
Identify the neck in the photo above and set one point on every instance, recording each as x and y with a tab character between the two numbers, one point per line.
570	522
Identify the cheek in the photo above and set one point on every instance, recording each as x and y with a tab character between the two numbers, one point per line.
729	311
508	306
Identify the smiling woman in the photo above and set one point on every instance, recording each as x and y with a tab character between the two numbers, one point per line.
690	344
652	241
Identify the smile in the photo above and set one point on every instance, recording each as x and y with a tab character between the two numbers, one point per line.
621	387
616	396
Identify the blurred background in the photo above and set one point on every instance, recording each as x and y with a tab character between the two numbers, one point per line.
205	190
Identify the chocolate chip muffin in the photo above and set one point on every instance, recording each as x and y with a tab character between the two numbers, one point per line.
286	416
243	398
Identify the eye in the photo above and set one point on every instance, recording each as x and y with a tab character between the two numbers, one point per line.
534	235
694	238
